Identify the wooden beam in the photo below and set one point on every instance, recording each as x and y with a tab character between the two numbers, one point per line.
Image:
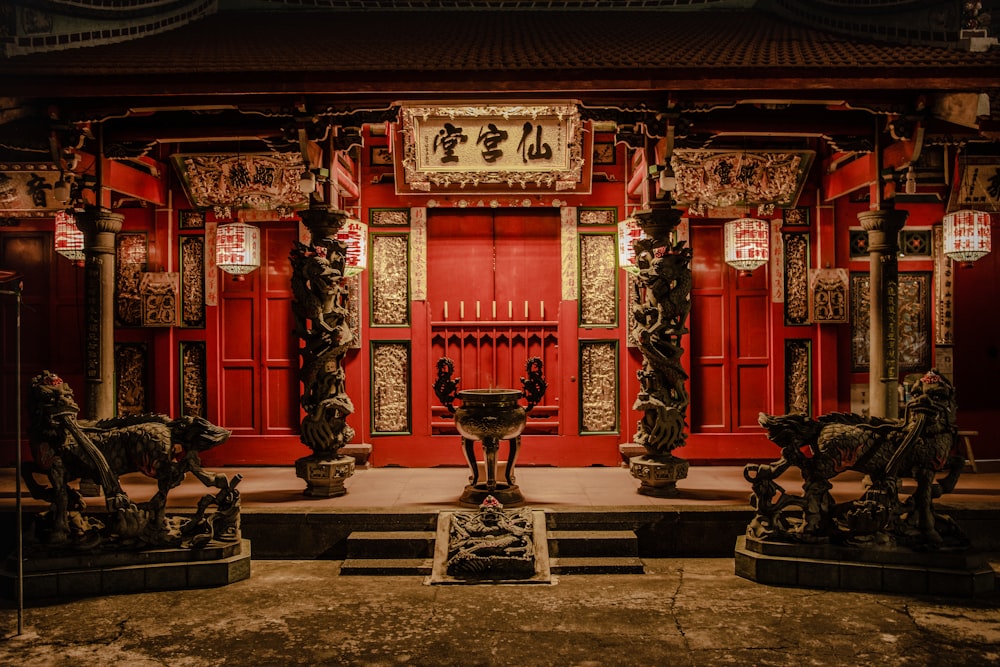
841	178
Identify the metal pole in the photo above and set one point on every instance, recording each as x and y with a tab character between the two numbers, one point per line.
17	446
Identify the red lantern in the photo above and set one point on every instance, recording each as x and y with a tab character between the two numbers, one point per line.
237	248
748	242
354	234
69	238
629	232
967	235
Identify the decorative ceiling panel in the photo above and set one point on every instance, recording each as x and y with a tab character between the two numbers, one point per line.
720	178
261	181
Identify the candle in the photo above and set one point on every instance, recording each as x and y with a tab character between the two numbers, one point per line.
541	309
494	310
477	310
525	310
445	310
461	310
510	310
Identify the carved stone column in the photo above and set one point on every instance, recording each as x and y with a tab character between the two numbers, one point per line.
661	323
883	227
99	226
321	320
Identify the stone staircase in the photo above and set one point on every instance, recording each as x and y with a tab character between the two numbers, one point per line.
576	546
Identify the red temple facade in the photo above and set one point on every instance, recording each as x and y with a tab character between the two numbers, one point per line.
492	153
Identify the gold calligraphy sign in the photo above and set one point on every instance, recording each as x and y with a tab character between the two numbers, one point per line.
492	147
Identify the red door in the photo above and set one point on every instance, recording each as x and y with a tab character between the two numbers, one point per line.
258	365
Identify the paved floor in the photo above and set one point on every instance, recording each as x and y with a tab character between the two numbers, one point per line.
682	612
688	612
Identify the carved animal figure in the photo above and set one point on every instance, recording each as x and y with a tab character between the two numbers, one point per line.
918	446
64	450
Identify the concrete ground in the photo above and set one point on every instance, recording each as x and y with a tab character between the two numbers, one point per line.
683	612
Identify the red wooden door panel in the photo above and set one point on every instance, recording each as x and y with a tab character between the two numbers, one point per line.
258	353
730	340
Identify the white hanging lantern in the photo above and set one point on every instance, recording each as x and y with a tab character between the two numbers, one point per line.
69	238
747	243
629	232
967	235
354	234
237	248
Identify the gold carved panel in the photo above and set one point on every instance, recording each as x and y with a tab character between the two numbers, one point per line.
598	386
390	291
390	387
131	370
798	376
598	280
796	278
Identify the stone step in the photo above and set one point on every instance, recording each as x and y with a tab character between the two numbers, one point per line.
593	543
387	566
597	565
391	544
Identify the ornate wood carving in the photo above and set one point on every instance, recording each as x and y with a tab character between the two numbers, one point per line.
798	376
597	216
389	217
796	245
131	255
193	380
131	372
390	387
390	304
261	181
914	334
829	296
192	260
598	386
598	280
158	292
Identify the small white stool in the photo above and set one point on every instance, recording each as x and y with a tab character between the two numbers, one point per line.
967	439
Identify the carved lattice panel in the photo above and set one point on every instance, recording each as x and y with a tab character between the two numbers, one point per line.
193	382
131	372
598	280
598	386
389	217
390	305
798	376
913	323
390	387
796	278
131	255
192	259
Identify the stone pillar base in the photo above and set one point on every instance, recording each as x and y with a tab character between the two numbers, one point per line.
324	476
360	453
658	476
629	450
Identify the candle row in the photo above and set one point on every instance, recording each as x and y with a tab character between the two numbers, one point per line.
510	310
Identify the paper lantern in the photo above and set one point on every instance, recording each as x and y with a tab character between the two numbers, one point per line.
629	232
237	248
967	235
747	243
69	238
354	234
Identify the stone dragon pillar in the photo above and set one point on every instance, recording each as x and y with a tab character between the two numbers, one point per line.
321	321
664	286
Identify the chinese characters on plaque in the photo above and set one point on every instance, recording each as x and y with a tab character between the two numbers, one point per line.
508	147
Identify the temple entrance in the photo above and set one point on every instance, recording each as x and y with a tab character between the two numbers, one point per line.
493	293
